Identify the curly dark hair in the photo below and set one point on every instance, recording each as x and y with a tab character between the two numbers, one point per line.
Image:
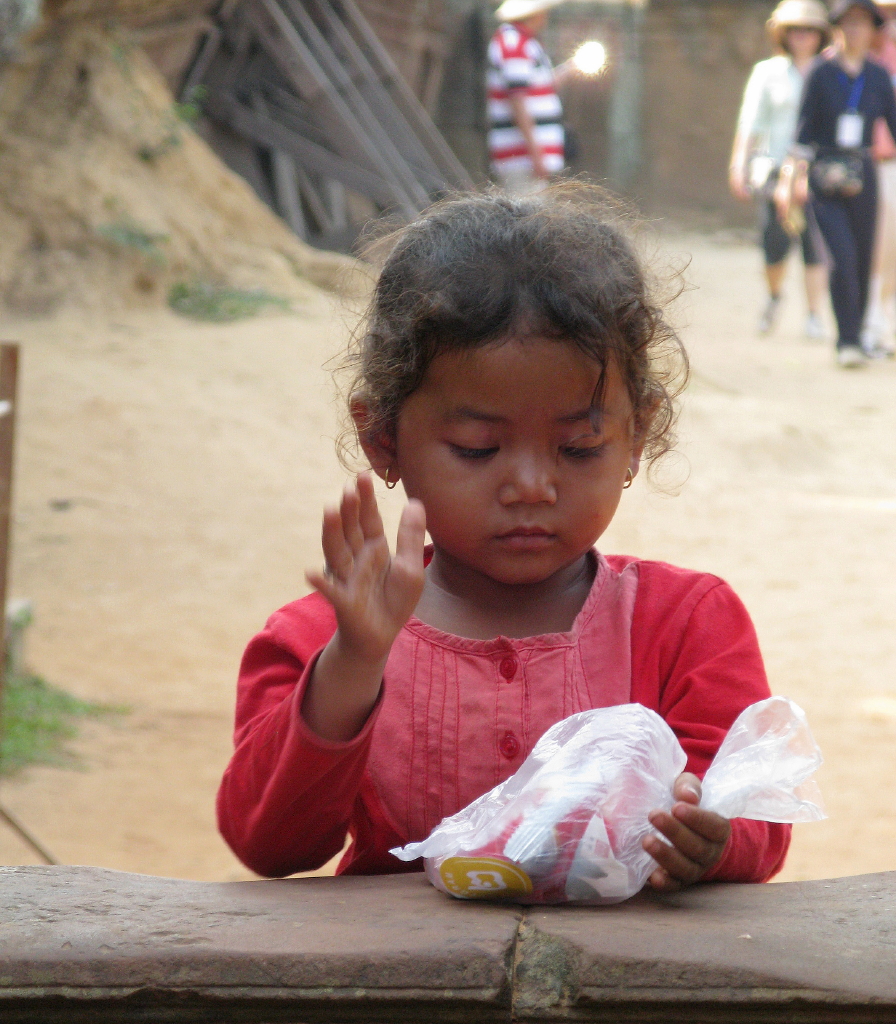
478	269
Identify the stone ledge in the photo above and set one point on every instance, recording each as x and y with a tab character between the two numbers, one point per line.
79	944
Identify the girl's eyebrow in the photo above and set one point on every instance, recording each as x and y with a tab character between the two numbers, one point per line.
466	412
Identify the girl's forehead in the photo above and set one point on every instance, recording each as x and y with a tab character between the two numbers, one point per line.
512	377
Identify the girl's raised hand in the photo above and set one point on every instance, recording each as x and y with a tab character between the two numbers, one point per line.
372	593
698	838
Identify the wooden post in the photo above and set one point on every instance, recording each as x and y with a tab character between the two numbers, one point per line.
9	374
9	367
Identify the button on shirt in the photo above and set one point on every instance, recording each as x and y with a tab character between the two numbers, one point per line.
508	667
509	746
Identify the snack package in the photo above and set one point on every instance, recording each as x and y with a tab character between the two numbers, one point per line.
567	827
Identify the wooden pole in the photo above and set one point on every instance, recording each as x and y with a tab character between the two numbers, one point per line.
9	374
13	822
9	368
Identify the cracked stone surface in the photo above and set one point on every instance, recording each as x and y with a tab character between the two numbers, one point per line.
93	944
830	941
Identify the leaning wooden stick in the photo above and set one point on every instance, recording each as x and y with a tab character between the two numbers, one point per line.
9	365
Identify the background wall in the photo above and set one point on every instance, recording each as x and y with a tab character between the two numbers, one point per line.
657	124
697	57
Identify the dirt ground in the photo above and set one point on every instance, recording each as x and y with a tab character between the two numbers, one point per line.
170	477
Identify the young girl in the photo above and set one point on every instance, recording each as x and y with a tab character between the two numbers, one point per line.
512	374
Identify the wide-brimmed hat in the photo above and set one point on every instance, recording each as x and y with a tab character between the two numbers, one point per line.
519	10
842	6
798	14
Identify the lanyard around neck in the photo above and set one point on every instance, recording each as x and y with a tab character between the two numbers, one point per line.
855	92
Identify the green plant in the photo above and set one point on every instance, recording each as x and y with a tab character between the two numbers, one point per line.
201	301
172	124
190	109
129	234
36	721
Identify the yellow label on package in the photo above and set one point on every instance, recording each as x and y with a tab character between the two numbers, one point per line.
484	878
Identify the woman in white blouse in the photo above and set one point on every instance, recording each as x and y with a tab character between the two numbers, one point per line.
765	132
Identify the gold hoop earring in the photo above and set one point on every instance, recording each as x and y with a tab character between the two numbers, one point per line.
629	479
390	484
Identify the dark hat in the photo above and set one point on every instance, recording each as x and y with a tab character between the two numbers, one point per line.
842	6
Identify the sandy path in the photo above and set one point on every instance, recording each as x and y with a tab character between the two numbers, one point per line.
197	458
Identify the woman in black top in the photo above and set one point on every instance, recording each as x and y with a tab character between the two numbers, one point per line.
843	98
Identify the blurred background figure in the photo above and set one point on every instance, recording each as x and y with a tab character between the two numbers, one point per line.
832	166
526	138
766	126
880	317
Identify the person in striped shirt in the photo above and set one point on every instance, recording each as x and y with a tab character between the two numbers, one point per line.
526	143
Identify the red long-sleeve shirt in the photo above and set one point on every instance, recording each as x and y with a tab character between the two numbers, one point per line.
456	716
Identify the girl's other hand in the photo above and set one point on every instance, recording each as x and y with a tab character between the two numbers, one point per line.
372	593
697	837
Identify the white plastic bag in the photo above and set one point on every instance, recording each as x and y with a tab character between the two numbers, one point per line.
568	826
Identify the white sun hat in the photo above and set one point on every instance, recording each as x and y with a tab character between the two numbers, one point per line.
519	10
798	14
